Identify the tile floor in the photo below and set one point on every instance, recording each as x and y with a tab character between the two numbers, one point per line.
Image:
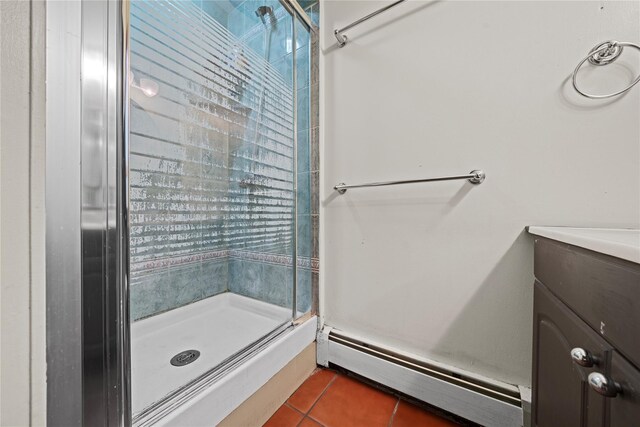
330	399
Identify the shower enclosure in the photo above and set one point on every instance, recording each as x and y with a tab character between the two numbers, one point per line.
179	231
219	187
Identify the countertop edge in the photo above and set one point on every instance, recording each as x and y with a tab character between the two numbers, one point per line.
571	235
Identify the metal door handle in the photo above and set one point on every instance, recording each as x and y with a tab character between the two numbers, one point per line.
582	357
603	385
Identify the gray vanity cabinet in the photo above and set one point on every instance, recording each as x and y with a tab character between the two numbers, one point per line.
624	410
583	350
562	396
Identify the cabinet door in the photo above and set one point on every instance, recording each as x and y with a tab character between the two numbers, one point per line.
561	394
624	408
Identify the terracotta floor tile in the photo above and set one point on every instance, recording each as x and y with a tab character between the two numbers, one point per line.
284	417
409	415
304	398
350	403
308	422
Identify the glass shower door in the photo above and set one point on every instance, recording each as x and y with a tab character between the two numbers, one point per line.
213	197
262	239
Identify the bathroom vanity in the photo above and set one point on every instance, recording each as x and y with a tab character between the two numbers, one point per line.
586	332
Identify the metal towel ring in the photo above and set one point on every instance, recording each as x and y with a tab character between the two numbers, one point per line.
604	54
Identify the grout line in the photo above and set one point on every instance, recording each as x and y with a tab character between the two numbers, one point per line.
287	404
306	415
295	409
303	415
304	418
335	376
393	414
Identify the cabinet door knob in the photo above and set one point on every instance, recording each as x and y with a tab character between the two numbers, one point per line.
603	385
582	357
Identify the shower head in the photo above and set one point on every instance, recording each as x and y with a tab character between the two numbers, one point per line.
263	11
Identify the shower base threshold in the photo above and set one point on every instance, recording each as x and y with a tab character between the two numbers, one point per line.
217	327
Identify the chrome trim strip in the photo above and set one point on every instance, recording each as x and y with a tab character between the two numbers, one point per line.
104	250
294	263
124	331
94	210
62	206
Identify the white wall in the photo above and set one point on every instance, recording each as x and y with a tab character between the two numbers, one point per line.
22	284
444	270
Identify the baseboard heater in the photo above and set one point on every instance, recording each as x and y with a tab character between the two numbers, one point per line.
487	403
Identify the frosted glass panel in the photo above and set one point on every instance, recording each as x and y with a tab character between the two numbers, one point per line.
214	108
211	151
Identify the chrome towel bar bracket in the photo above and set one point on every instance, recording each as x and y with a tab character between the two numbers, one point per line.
604	54
475	177
342	38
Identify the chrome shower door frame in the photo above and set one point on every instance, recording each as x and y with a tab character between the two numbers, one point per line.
154	413
87	204
297	13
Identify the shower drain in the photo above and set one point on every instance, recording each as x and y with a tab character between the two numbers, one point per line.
185	357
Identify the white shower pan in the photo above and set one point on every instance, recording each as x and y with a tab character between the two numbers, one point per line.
218	327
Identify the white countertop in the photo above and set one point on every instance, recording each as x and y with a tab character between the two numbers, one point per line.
617	242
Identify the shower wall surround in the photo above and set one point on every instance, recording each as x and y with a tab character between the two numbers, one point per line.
211	137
